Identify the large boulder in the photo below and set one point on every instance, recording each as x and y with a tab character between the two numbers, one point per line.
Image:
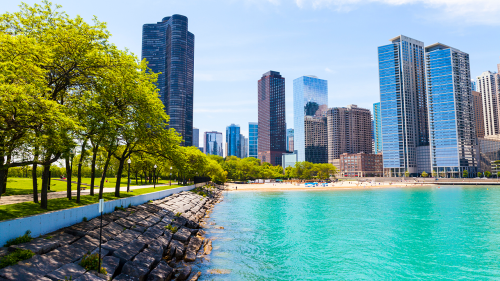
128	252
136	270
86	243
182	234
89	277
161	272
125	277
66	254
113	246
38	246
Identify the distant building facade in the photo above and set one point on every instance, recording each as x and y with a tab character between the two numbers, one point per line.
213	143
488	84
316	139
233	140
489	148
473	85
451	111
289	160
310	98
253	133
361	165
196	137
289	140
244	146
272	130
478	113
377	128
168	47
349	130
403	105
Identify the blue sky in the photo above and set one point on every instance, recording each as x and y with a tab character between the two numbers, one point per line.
239	40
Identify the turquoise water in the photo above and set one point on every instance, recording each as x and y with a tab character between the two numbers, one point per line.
422	234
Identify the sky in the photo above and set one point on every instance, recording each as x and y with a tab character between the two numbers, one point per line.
236	41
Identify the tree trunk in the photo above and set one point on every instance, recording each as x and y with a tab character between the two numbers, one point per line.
119	176
136	179
68	178
3	180
103	178
45	183
79	181
92	173
34	176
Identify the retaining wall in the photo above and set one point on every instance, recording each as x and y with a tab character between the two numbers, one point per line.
52	221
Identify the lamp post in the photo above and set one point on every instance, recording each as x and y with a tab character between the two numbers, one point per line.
154	177
170	175
128	181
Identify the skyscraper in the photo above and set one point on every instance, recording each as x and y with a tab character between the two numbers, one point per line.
403	105
349	131
253	131
196	137
244	146
168	47
233	140
377	128
451	111
289	140
316	142
473	85
272	130
488	84
478	113
213	143
310	98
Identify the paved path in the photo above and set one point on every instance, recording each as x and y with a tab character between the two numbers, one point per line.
7	200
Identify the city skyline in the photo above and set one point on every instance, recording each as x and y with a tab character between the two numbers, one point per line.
228	61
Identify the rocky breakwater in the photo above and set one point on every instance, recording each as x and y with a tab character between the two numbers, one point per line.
156	241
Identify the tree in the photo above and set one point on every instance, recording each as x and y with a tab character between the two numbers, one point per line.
424	174
479	174
487	174
465	174
434	174
407	174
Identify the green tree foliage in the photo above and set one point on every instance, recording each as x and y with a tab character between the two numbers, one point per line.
465	174
424	174
479	174
487	174
307	170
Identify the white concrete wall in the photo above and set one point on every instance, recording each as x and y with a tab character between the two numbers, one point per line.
52	221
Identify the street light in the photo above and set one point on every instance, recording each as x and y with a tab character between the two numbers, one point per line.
170	175
154	177
128	182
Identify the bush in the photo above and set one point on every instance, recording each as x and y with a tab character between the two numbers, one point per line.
15	257
91	262
173	229
119	208
85	219
178	214
21	239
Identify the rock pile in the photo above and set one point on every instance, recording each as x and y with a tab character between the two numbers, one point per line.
154	241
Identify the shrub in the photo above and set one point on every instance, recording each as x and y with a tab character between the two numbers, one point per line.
120	208
85	219
91	262
15	257
21	239
178	214
48	237
173	229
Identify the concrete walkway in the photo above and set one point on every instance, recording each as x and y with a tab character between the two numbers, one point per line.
7	200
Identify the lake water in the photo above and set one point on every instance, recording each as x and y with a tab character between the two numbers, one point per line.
423	233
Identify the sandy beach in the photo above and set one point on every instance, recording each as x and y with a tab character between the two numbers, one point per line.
331	186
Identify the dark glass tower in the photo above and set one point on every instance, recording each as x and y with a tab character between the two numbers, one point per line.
168	47
272	127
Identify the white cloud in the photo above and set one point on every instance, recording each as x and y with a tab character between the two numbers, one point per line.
329	70
471	11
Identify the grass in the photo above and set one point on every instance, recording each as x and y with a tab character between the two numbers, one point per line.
173	229
21	239
22	186
91	262
24	209
15	257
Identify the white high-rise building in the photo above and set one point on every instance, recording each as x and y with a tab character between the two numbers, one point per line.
488	84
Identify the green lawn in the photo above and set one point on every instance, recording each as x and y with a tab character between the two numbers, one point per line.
29	208
19	186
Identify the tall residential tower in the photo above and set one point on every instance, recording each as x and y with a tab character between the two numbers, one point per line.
253	134
451	112
405	130
168	47
377	128
272	126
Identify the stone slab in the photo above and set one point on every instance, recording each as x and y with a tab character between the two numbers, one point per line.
38	246
86	243
113	246
182	234
125	223
44	264
135	270
127	236
125	277
128	252
161	272
69	271
144	259
89	277
111	264
66	254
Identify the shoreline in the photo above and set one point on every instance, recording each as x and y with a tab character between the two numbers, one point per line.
269	187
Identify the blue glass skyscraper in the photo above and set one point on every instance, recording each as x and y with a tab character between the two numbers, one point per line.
213	143
253	133
377	128
233	140
403	104
451	112
168	47
310	98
